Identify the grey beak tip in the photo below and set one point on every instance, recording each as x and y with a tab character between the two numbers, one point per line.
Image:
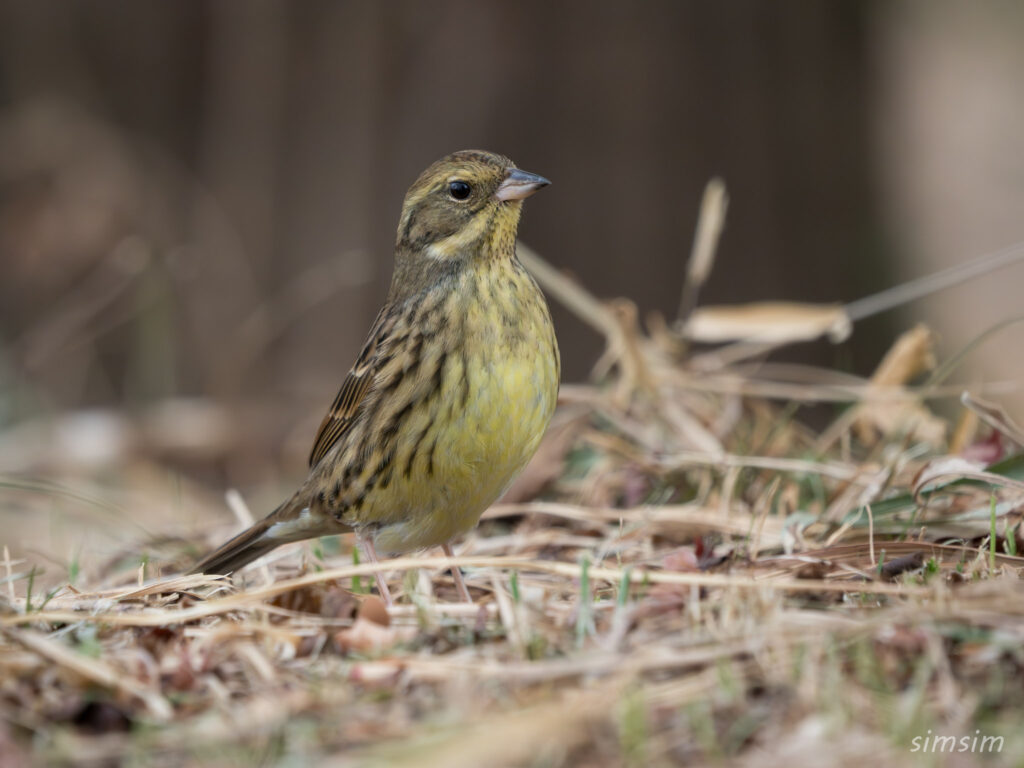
525	177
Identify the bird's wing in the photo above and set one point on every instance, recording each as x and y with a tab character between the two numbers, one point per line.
346	404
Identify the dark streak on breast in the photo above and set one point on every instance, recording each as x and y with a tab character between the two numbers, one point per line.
465	377
407	472
430	457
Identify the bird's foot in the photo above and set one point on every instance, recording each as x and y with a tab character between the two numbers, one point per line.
460	583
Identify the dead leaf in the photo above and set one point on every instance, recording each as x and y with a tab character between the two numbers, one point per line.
683	559
987	451
817	570
379	674
328	599
911	355
994	415
364	636
951	468
891	569
773	322
373	609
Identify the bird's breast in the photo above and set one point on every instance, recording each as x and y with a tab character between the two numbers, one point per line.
496	391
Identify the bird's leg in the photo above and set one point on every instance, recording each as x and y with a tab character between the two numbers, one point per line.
371	555
460	584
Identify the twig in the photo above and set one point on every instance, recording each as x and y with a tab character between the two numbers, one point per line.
637	575
710	223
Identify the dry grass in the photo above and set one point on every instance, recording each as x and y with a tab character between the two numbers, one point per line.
685	575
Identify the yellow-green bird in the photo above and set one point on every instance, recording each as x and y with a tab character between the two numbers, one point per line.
452	391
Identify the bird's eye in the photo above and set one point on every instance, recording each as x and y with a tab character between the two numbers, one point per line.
459	190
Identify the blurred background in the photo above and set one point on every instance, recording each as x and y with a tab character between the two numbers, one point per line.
198	199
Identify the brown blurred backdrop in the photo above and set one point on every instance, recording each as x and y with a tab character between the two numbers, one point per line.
197	199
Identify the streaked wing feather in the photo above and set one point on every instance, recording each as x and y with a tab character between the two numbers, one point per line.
346	404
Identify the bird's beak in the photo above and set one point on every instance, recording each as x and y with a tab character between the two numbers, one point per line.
519	185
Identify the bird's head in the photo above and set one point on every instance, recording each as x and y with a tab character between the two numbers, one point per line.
465	206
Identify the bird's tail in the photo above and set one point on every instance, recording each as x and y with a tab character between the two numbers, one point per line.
291	521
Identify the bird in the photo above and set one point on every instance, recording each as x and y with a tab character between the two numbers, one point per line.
451	392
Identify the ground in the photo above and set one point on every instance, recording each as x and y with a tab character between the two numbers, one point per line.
685	574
